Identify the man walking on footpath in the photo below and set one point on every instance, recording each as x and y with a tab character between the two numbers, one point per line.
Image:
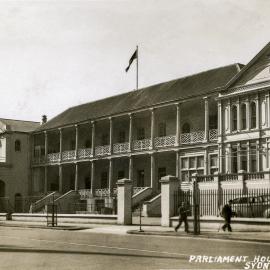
183	211
227	214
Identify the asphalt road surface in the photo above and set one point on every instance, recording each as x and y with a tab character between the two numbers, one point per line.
25	248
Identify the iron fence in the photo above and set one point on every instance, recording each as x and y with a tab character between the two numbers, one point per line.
18	205
250	203
83	207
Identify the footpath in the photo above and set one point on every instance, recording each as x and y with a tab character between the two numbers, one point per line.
153	228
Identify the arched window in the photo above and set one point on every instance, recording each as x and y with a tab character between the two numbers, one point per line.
253	116
186	128
17	146
234	118
244	116
2	188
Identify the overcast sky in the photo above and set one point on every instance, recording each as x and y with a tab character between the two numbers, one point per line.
57	54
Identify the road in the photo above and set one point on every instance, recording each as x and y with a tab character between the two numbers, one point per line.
25	248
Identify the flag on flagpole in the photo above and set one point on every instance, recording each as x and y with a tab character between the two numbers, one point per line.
133	57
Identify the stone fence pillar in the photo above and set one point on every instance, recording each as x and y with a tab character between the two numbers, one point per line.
169	184
124	202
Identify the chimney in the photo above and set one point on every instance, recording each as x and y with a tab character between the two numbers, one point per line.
44	119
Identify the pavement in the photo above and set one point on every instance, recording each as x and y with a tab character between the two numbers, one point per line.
153	229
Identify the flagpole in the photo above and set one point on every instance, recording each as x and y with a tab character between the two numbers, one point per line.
137	68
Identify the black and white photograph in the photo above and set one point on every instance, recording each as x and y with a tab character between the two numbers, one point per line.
135	134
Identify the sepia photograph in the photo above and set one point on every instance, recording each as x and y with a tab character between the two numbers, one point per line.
134	134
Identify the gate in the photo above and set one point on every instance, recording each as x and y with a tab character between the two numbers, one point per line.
191	200
51	214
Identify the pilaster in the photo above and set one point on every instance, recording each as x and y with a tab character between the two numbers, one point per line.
130	135
93	123
206	119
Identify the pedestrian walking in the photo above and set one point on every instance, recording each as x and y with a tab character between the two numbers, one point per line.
227	214
183	212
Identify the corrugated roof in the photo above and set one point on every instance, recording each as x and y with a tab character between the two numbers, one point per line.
198	84
19	125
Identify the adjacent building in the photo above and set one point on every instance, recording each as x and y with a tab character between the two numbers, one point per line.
15	158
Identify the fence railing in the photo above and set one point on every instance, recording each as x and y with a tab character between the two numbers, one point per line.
18	205
53	157
251	204
193	137
142	144
121	148
102	150
213	134
231	177
84	153
165	141
69	155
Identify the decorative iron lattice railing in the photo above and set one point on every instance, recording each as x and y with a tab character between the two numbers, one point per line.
69	155
105	192
84	153
102	150
121	147
53	157
144	144
165	141
193	137
213	134
85	194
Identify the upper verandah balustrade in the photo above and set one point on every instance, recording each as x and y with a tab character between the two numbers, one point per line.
121	148
152	129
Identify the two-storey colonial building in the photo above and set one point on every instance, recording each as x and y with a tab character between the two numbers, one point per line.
15	158
213	121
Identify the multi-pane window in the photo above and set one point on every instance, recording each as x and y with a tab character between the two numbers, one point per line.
72	145
191	165
140	133
253	116
234	118
87	144
104	180
234	160
186	128
244	116
161	173
243	157
253	160
213	163
121	136
140	178
105	139
162	129
17	146
121	174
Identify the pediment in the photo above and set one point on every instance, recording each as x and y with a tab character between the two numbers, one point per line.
258	72
255	74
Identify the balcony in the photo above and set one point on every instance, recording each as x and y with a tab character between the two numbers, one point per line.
120	148
53	157
102	150
213	135
140	145
85	194
84	153
198	136
104	192
69	155
166	141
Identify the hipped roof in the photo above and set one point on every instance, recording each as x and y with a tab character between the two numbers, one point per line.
179	89
19	125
